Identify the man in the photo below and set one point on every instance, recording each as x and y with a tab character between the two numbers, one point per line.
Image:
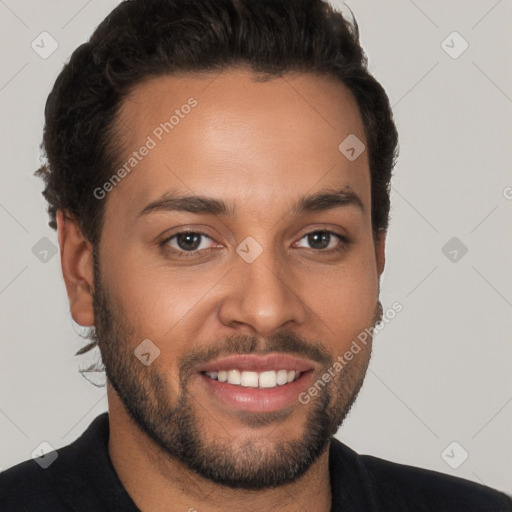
218	173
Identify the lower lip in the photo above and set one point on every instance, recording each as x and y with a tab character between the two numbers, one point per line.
258	399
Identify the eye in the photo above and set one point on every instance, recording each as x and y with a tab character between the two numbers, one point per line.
323	239
187	243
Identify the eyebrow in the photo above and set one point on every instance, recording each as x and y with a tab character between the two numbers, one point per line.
321	201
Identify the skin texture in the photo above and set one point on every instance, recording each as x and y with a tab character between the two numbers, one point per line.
260	146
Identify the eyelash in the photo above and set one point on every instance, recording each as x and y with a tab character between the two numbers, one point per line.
343	245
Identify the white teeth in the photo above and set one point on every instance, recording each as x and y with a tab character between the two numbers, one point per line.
249	379
234	377
267	379
282	377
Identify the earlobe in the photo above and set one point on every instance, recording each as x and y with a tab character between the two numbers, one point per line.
77	269
380	251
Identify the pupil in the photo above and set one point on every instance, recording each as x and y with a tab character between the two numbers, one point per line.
184	239
319	237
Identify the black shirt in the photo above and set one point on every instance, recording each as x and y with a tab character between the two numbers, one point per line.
82	479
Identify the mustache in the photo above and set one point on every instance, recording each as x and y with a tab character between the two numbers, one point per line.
284	342
287	342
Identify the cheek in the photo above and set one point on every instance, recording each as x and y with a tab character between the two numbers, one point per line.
345	299
158	302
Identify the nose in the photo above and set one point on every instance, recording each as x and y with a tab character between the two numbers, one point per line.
263	297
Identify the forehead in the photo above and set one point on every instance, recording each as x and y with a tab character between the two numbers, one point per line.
229	136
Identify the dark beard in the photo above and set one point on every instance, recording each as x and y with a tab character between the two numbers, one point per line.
171	423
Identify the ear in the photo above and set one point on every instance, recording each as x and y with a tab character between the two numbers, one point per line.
380	254
77	269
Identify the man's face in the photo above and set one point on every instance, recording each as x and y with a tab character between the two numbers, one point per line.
263	287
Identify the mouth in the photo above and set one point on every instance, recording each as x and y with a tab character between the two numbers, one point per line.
258	384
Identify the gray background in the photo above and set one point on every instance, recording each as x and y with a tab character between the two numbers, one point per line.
441	369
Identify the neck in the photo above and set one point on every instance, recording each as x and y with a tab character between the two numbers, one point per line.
156	481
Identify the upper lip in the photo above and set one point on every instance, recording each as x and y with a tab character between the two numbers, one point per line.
254	363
